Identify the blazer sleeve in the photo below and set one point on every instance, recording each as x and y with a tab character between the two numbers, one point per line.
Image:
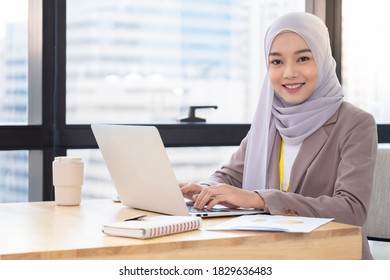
348	197
232	172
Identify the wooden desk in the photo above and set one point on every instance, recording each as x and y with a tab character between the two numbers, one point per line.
42	230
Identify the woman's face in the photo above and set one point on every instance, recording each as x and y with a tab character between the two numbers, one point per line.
292	69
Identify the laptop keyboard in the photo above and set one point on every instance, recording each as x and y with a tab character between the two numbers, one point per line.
205	210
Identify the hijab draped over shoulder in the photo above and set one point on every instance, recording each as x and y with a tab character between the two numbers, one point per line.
294	122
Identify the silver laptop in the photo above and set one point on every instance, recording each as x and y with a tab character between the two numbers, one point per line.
142	173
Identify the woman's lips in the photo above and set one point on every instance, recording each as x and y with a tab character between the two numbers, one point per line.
292	88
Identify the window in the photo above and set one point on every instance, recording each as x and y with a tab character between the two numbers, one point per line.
147	61
13	62
365	45
13	95
140	61
13	176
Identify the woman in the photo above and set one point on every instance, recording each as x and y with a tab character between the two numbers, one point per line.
308	152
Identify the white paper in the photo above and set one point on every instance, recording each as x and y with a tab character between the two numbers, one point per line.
263	222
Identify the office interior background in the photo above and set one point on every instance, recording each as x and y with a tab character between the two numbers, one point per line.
65	64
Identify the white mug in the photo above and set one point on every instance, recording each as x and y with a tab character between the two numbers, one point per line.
68	178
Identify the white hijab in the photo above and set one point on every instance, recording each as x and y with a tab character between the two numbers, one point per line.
294	122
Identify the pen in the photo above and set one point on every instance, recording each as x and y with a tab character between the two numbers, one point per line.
136	218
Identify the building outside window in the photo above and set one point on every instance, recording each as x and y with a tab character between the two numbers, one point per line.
13	95
364	59
147	62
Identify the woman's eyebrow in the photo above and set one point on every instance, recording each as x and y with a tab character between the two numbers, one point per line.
296	52
303	51
275	54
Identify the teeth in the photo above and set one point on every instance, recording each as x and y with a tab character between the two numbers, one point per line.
293	86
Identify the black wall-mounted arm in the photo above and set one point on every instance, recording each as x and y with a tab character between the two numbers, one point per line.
191	114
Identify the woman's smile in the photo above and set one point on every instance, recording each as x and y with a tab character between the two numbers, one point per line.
293	88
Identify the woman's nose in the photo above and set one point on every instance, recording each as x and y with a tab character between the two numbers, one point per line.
290	71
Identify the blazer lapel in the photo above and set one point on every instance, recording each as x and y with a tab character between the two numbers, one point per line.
307	153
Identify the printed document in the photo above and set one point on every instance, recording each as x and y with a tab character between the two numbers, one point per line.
263	222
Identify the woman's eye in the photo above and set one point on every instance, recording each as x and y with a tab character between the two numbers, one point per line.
276	62
304	58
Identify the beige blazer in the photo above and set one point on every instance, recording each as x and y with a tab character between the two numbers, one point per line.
332	175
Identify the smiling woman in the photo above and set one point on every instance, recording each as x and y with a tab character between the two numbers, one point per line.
307	153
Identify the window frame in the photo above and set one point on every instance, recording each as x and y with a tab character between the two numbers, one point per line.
47	135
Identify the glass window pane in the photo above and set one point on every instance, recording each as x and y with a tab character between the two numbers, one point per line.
189	164
13	176
365	65
148	60
13	62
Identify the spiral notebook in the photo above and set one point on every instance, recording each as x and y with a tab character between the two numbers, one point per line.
150	227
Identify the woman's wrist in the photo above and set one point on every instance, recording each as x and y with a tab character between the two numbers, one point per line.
258	201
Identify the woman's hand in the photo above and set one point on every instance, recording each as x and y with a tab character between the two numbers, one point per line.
189	190
223	194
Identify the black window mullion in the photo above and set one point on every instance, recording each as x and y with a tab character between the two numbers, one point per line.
53	85
173	135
